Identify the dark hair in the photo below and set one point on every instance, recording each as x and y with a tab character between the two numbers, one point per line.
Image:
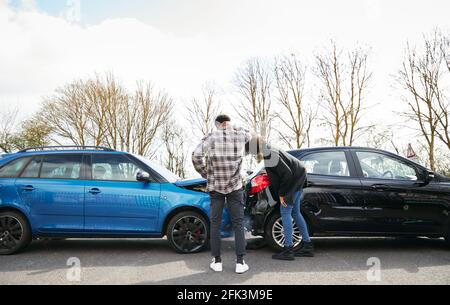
223	118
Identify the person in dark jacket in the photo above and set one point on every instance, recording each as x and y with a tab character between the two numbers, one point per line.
288	177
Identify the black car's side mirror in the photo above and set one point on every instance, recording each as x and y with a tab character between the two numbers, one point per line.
426	177
142	176
429	176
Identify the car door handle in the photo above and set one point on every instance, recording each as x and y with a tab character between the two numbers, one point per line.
94	191
380	187
310	184
28	188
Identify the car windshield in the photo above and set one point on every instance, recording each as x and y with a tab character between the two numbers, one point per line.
164	172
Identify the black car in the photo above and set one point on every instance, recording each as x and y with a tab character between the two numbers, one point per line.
356	192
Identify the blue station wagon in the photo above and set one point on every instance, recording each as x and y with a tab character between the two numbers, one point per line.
90	192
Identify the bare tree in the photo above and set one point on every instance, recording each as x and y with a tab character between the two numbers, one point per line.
174	140
344	85
66	114
8	124
420	77
383	137
32	133
254	82
442	95
445	49
105	102
202	112
101	111
153	108
296	116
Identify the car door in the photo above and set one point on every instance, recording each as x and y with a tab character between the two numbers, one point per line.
398	200
115	201
334	196
9	171
52	188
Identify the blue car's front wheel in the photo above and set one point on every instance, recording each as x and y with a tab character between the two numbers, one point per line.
187	232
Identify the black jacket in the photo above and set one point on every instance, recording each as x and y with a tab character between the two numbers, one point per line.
287	175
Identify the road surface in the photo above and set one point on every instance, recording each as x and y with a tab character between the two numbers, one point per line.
338	261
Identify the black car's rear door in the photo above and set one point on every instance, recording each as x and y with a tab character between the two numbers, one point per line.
395	199
333	199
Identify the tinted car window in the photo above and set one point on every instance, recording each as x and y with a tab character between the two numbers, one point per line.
326	164
32	169
380	166
13	169
61	167
113	168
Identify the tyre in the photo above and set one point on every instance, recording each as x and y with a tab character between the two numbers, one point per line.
274	233
188	232
447	238
15	233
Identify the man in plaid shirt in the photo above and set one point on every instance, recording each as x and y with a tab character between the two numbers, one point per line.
219	160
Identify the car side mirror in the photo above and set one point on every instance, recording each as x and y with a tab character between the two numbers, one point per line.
426	177
142	176
429	176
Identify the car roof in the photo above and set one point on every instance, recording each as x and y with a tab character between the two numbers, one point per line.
96	151
5	158
329	148
53	152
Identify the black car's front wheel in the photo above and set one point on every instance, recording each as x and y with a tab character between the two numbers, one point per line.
274	233
188	233
15	233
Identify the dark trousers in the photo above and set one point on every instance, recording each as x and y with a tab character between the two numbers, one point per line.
235	204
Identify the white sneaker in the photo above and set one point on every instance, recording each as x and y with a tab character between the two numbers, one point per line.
240	269
216	267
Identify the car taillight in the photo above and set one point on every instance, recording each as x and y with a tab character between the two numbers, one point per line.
258	184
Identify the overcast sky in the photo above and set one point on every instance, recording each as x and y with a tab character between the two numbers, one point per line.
181	44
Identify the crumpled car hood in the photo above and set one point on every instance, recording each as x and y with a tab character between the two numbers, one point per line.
196	184
190	182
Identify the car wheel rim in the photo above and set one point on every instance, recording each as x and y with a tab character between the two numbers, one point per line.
279	237
189	234
11	232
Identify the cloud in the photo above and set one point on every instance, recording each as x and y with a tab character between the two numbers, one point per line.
40	52
204	42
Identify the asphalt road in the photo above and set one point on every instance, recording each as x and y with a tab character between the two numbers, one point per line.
338	261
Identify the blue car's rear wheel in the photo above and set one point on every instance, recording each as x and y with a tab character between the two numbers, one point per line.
187	232
15	233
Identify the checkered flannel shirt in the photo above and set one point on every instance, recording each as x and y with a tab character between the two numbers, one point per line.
219	159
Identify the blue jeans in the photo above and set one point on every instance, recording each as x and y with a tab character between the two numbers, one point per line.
293	212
